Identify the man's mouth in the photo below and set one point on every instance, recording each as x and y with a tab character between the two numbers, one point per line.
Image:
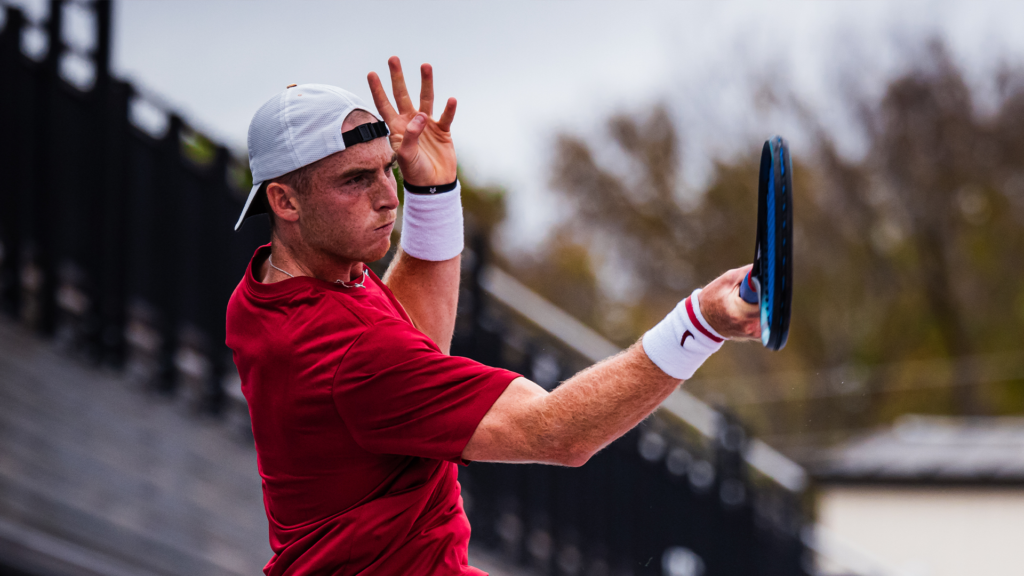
388	225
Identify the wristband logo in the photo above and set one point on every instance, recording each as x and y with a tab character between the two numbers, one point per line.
683	341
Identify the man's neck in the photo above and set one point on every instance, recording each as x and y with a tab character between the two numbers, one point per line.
289	261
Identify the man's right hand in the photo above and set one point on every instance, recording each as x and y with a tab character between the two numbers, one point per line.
425	150
726	312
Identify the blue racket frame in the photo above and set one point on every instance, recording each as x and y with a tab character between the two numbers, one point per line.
770	282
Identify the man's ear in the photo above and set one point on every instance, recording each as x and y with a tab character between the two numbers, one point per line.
283	200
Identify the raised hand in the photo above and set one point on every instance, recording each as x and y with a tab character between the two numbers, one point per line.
425	150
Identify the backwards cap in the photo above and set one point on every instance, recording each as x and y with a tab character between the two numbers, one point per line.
297	127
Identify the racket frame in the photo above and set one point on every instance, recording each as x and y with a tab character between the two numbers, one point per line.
772	274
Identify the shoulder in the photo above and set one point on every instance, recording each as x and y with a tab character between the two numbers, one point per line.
296	307
390	340
353	310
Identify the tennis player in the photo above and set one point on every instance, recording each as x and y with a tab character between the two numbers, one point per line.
359	414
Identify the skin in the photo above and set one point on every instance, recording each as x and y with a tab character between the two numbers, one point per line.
346	219
590	410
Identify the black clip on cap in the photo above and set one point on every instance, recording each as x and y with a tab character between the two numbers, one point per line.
364	133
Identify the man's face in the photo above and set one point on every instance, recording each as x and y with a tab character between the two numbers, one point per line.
350	208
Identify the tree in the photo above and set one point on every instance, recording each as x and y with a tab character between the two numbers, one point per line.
912	253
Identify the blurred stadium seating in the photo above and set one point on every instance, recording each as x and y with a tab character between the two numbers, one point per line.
116	245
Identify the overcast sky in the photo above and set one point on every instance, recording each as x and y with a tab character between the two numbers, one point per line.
522	71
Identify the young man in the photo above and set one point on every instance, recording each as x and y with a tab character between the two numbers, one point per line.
359	414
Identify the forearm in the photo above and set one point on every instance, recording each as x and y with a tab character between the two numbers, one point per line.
598	405
570	424
429	292
601	403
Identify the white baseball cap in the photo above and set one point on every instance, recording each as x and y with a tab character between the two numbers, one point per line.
297	127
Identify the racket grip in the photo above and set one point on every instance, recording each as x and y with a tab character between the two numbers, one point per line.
747	291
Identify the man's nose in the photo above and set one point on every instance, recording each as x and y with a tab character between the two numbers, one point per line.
386	193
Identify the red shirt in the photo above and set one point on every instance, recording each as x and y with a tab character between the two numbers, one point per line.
359	421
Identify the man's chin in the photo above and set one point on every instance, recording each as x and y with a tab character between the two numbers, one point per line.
365	255
380	252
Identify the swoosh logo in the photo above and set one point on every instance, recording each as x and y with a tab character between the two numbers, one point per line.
685	335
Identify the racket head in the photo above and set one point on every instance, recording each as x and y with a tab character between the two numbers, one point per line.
773	260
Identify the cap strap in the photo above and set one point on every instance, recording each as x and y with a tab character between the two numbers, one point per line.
364	133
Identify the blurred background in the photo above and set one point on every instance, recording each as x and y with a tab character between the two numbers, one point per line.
609	153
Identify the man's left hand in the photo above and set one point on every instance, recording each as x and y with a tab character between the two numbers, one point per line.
425	150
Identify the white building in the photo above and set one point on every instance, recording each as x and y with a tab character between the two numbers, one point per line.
931	496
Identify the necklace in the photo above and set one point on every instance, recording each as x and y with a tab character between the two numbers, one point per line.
362	284
270	260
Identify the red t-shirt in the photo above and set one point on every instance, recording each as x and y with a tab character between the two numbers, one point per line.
359	421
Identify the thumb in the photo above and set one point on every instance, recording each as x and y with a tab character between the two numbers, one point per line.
410	141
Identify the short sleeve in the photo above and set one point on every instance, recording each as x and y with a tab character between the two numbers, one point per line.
398	394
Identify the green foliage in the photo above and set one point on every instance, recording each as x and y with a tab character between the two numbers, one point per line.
197	147
911	254
401	183
240	176
564	275
484	207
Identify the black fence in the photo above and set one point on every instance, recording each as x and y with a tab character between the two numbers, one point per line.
116	239
113	236
660	500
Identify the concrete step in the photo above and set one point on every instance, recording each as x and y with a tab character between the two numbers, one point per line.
100	477
116	474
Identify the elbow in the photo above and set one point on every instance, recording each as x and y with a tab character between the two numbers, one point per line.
575	456
560	452
577	461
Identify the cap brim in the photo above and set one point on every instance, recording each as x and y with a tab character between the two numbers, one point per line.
252	207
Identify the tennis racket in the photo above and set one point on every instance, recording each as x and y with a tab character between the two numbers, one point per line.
770	281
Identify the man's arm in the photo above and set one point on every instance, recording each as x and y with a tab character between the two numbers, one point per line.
428	289
571	423
593	408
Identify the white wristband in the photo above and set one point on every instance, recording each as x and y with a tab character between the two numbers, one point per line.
681	342
432	225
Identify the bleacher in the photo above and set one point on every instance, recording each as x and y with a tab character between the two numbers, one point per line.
123	439
100	476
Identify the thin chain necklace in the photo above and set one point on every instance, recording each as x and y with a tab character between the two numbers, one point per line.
366	274
360	284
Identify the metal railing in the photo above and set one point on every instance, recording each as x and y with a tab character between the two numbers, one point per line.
684	494
116	239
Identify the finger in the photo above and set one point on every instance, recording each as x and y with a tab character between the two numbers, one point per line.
736	276
380	98
445	122
427	90
410	143
755	330
741	272
398	86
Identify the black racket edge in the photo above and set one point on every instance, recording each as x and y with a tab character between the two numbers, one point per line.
777	169
760	268
762	207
